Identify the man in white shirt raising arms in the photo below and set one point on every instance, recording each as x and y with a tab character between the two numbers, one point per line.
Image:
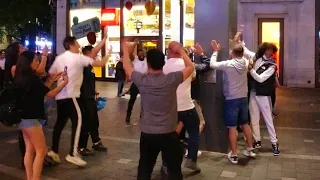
67	100
187	113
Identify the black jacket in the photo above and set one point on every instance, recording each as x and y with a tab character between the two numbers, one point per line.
267	87
201	67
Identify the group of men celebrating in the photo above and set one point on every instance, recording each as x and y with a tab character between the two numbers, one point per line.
166	103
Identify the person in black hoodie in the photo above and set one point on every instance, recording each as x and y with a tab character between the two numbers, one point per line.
120	76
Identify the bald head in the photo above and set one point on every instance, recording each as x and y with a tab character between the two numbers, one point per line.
174	49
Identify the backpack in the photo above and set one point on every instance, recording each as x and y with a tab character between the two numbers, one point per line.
10	113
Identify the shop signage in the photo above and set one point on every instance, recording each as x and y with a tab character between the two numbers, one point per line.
83	28
110	17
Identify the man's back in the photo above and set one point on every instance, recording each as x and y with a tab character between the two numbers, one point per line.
158	101
184	99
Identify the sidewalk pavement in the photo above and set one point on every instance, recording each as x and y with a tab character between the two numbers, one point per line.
298	126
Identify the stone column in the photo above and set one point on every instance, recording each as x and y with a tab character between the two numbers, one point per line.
61	25
214	19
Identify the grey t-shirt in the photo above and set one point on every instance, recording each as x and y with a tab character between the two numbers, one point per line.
158	101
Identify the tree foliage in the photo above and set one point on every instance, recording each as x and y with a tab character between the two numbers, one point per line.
18	18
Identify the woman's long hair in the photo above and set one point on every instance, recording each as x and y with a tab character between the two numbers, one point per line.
12	55
23	69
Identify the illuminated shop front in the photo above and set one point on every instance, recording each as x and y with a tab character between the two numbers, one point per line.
143	19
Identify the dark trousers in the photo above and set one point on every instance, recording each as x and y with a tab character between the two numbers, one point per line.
67	109
191	122
90	122
120	87
134	91
172	152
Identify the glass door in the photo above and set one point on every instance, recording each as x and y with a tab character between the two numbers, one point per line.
271	30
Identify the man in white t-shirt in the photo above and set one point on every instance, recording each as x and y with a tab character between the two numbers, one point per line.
140	65
67	100
187	113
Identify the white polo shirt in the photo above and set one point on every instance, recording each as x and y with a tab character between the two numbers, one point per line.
184	99
75	63
140	66
2	64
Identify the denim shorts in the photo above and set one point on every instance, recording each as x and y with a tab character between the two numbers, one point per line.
29	123
236	112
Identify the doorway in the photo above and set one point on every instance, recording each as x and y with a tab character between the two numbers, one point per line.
272	30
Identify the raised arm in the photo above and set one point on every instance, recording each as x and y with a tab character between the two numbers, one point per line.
189	69
213	61
127	66
100	45
103	61
42	66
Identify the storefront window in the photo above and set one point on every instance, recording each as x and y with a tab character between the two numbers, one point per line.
188	31
84	18
113	40
142	19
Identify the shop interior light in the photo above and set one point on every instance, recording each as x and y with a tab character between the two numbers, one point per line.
138	25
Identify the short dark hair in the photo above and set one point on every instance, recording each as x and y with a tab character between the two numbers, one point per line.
155	59
87	49
139	50
238	50
68	41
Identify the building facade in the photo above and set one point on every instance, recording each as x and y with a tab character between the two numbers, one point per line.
293	25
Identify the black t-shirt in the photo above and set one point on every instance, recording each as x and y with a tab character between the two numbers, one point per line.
32	102
88	88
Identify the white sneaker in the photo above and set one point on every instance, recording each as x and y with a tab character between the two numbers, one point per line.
77	160
54	156
186	154
249	153
233	158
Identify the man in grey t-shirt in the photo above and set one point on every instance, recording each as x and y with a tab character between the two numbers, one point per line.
158	111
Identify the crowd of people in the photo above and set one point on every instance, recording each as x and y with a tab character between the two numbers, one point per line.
170	106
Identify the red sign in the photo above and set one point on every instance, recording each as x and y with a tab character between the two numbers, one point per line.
110	17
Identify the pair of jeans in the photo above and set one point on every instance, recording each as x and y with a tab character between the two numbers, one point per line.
134	91
172	152
120	87
191	122
90	122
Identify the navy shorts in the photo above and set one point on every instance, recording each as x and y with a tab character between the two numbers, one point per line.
236	112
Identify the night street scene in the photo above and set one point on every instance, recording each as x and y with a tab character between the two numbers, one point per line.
160	90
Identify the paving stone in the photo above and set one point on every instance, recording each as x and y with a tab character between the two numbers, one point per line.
124	161
228	174
288	173
314	166
303	176
274	175
303	169
284	178
289	165
308	141
274	167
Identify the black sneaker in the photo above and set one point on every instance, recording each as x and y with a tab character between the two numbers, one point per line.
99	147
257	145
275	149
84	152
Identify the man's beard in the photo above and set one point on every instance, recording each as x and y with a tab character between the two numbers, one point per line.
141	58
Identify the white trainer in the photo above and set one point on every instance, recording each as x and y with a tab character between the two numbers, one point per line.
77	160
54	156
249	153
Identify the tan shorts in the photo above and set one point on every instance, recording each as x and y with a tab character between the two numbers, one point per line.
199	111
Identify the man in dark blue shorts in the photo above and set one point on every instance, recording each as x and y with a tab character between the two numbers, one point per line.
235	90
